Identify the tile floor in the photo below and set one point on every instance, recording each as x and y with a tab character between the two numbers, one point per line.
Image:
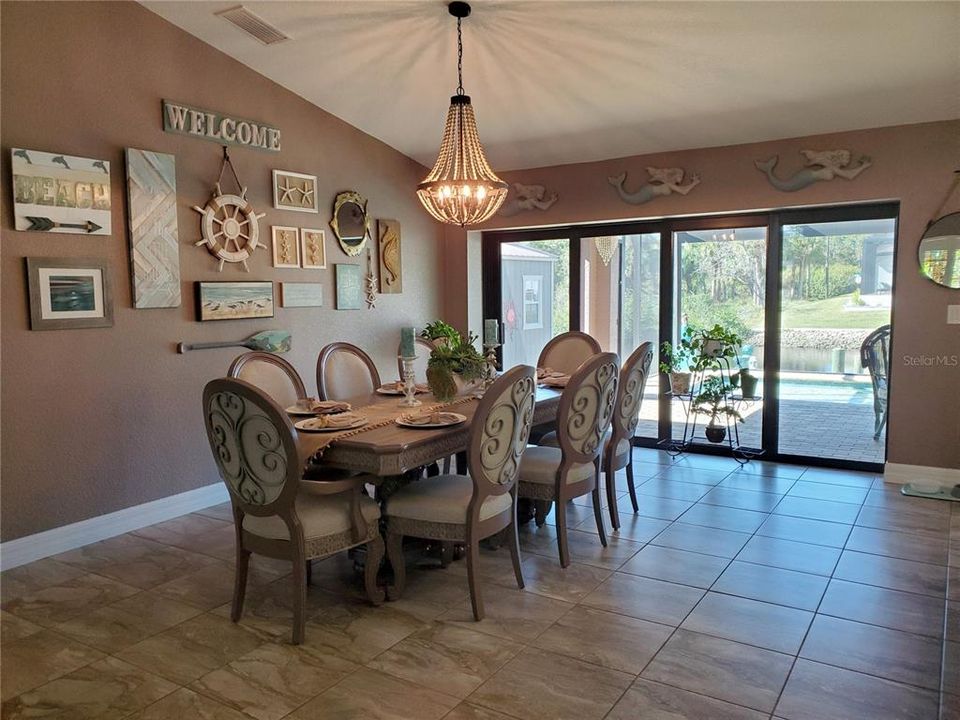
767	592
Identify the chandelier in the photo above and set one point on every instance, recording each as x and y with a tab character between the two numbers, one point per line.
462	189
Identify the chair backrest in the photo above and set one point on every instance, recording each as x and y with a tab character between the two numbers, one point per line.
586	408
499	432
272	374
633	380
875	356
345	371
254	445
424	347
567	351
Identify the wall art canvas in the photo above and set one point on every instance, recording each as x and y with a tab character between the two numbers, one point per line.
225	300
349	281
295	191
68	293
301	295
60	193
154	242
286	247
313	249
391	267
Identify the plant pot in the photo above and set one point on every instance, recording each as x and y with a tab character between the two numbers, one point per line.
716	433
748	384
680	383
446	385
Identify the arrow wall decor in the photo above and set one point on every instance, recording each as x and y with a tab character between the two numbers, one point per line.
46	224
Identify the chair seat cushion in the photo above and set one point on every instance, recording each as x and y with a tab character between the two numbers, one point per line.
550	440
539	465
320	515
442	499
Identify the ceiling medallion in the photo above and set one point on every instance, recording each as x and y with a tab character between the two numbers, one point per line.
462	189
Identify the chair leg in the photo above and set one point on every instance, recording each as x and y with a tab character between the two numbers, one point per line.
598	514
309	572
446	465
562	533
446	553
375	551
240	584
473	567
299	600
612	496
630	485
513	540
541	510
395	556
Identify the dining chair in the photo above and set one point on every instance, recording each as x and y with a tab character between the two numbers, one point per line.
257	454
469	508
559	474
423	347
875	356
567	351
272	374
345	371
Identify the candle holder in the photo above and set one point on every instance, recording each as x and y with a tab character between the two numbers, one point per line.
409	383
490	371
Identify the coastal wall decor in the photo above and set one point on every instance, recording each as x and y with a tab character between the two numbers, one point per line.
819	165
301	295
60	193
370	284
286	247
662	182
230	227
349	289
275	341
389	252
313	249
226	300
349	222
295	191
68	293
526	197
219	128
152	216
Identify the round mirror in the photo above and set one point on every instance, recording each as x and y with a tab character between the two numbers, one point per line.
940	251
349	222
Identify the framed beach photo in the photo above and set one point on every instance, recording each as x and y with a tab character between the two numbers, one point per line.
69	293
295	191
227	300
313	249
286	247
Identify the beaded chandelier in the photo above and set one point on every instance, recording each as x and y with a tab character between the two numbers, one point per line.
462	189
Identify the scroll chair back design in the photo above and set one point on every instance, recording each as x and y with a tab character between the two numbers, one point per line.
471	508
272	374
423	347
345	371
257	454
567	351
559	474
875	356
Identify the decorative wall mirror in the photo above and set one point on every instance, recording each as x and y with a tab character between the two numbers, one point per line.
939	252
350	223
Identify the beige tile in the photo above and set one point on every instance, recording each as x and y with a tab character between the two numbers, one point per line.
892	573
371	695
466	711
907	546
919	614
495	567
692	475
210	587
654	701
437	585
677	566
770	584
34	576
40	658
839	512
601	638
951	667
904	520
273	680
108	689
447	658
184	531
663	487
645	598
637	528
815	532
823	491
654	507
58	603
13	627
725	518
721	669
557	687
953	621
773	484
511	614
790	555
544	576
223	511
949	707
706	540
847	478
773	627
585	548
742	498
187	705
534	539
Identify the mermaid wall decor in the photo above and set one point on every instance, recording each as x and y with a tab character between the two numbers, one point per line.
819	165
526	197
662	182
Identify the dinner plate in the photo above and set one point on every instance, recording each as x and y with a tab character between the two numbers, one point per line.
322	407
388	390
448	419
307	426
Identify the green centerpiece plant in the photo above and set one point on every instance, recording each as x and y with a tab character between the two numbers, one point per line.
438	332
454	364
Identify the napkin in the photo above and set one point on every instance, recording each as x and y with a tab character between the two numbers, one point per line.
330	406
340	420
398	386
434	418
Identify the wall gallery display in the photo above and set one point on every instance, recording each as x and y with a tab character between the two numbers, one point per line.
349	286
154	242
60	193
219	128
286	247
301	295
225	300
391	274
68	293
295	191
313	249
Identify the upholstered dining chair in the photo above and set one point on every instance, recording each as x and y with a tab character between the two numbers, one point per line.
567	351
256	451
272	374
345	371
469	508
562	473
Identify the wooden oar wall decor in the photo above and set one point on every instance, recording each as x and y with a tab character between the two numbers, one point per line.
275	341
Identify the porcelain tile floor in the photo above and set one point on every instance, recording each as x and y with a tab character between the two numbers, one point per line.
768	592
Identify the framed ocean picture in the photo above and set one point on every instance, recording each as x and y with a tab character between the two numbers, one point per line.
69	293
227	300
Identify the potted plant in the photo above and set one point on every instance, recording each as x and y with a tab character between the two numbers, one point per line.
712	402
717	343
438	332
748	383
676	363
454	364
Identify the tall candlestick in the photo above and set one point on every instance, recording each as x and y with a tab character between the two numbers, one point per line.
491	331
407	347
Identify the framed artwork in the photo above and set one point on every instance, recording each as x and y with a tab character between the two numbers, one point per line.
349	286
313	249
391	273
226	300
295	191
301	295
286	247
154	243
68	293
60	193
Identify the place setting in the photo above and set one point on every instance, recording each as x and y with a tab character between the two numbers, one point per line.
431	419
397	388
309	407
547	377
332	422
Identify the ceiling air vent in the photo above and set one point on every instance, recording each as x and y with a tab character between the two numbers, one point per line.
253	25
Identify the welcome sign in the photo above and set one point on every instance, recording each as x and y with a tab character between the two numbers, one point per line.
219	128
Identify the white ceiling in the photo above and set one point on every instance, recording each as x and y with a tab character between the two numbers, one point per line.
559	82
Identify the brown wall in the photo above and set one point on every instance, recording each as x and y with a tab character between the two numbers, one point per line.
98	420
912	164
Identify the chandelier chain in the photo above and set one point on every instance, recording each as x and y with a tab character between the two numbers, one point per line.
459	59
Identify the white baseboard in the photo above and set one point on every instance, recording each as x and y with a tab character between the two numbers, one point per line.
50	542
900	474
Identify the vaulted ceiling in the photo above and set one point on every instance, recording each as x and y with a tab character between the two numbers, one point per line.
559	82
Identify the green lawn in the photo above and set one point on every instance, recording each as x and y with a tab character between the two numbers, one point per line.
830	313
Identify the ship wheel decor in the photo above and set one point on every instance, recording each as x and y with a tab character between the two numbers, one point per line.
230	227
